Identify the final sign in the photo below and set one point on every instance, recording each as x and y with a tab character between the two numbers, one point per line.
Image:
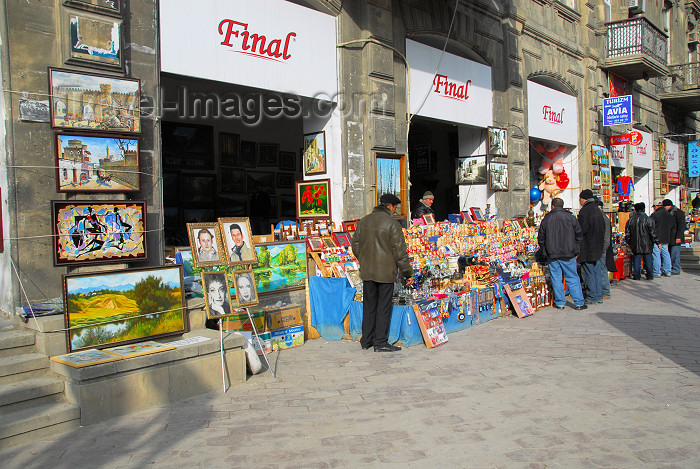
617	110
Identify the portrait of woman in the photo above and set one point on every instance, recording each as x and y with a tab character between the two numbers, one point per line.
246	293
216	294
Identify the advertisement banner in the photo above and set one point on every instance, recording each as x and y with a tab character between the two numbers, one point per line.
672	156
642	154
694	158
617	110
618	156
618	86
552	115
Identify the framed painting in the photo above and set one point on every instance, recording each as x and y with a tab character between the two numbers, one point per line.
103	6
471	170
246	293
663	183
328	242
477	215
315	243
498	176
429	219
261	181
187	146
285	180
313	199
140	349
197	188
663	154
85	358
206	244
281	266
94	232
97	163
232	180
288	161
498	141
229	148
353	276
390	178
314	153
94	40
350	225
466	217
118	307
84	101
605	176
247	154
217	297
268	154
595	179
419	158
238	240
342	238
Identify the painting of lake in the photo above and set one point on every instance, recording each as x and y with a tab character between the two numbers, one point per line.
281	266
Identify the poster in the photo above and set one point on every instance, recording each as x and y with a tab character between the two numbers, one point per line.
430	323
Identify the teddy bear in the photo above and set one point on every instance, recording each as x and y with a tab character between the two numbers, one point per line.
550	187
551	157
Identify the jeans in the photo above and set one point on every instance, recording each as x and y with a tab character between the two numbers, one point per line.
567	268
637	266
591	275
662	260
604	278
675	259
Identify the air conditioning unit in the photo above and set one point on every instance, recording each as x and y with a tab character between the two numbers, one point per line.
637	6
692	37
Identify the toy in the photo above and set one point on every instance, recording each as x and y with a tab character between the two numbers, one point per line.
549	187
551	157
535	194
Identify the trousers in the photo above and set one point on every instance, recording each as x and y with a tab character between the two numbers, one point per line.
590	271
675	259
376	313
566	268
662	260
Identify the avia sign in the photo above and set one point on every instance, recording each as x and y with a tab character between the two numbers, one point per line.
617	110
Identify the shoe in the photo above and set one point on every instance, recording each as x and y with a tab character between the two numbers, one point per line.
386	348
606	297
600	302
559	307
580	307
666	274
636	278
366	347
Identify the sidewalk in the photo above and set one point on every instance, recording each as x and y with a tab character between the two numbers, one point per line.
616	385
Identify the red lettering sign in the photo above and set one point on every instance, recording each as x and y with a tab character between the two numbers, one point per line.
255	45
552	116
674	177
632	138
451	89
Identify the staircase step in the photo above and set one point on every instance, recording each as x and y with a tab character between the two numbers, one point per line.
7	324
26	425
16	342
24	366
690	257
690	266
30	392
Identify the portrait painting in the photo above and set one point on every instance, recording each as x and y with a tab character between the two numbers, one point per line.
315	153
217	298
498	141
238	238
95	40
471	170
246	293
281	266
313	199
498	176
206	244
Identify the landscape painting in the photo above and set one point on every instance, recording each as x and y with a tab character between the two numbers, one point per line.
123	306
281	266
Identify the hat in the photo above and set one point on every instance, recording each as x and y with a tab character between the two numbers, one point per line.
428	195
657	204
389	199
586	194
667	203
639	207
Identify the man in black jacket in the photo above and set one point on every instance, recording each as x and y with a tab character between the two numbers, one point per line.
591	255
640	236
424	206
559	238
677	235
664	224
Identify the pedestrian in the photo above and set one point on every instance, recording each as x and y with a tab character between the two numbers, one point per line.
640	236
424	206
677	235
664	223
560	238
591	254
379	245
608	264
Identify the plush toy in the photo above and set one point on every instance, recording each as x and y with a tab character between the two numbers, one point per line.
549	187
551	157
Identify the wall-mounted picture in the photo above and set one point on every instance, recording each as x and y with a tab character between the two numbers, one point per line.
498	176
95	40
217	297
246	293
288	161
600	155
663	183
342	239
285	180
313	198
238	240
471	170
261	182
595	179
498	141
123	306
197	188
315	153
103	6
605	176
82	101
229	148
663	154
247	157
86	163
281	266
187	146
419	157
268	154
206	244
88	232
232	180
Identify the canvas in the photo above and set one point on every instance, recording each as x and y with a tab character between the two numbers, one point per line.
498	176
246	293
268	154
281	266
471	170
206	244
498	141
137	350
217	295
94	40
313	199
85	358
238	240
315	153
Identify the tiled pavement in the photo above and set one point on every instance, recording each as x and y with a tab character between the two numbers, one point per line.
617	385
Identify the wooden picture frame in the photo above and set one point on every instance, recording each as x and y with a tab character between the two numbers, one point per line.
429	219
466	216
246	291
314	160
471	170
229	149
328	242
96	232
119	100
197	233
313	198
498	176
349	225
268	154
187	146
342	239
288	161
93	40
477	215
97	163
217	295
235	230
390	178
497	141
107	309
315	243
232	180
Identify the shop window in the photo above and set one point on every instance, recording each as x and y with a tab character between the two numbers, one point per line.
390	178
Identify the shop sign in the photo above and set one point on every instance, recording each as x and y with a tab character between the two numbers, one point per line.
460	91
551	114
673	177
632	138
618	156
694	158
672	157
642	152
617	110
618	86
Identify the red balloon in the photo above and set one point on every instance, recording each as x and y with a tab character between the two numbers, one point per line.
563	180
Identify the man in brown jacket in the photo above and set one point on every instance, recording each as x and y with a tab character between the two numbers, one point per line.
379	245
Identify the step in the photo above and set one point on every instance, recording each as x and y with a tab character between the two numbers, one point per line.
16	342
27	425
690	257
30	393
690	266
7	324
24	366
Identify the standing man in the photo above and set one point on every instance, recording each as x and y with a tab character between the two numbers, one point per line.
664	223
608	264
239	251
560	238
640	236
677	235
591	255
424	206
379	245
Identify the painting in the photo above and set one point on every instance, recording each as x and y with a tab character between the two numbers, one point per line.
498	141
328	242
600	155
123	306
498	176
605	176
183	256
247	155
595	179
285	180
206	244
229	147
281	266
93	232
429	219
342	238
103	6
471	170
288	161
137	350
477	215
197	188
94	40
419	157
353	276
217	297
100	163
268	154
350	225
261	182
390	178
313	198
232	180
315	243
246	293
187	146
85	358
237	238
663	154
315	153
83	101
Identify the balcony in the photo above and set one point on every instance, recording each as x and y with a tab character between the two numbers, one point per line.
681	89
636	49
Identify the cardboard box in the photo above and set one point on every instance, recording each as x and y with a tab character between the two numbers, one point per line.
287	338
283	317
241	322
264	338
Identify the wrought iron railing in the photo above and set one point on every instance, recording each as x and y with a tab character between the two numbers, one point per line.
681	77
636	36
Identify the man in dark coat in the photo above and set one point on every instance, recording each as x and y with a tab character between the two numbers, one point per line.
379	245
560	238
664	224
641	238
677	235
424	206
608	256
591	255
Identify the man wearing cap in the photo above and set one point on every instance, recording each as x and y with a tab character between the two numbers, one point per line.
664	224
591	255
379	245
677	235
424	206
640	236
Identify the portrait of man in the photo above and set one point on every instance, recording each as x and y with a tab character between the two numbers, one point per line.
205	241
206	246
216	294
239	248
246	293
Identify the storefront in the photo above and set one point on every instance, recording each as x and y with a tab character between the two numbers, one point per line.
641	150
670	181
